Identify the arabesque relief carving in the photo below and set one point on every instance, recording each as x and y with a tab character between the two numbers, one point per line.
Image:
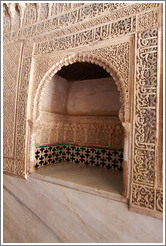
89	132
117	12
97	34
30	15
124	39
10	77
159	200
145	122
143	196
21	116
148	19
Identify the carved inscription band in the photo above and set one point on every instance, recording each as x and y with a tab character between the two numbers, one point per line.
83	38
116	10
143	190
146	97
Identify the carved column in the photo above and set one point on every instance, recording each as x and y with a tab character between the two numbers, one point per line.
31	145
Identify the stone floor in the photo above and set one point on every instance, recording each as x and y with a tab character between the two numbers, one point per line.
40	210
95	180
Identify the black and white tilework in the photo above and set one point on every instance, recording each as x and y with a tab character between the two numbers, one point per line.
52	154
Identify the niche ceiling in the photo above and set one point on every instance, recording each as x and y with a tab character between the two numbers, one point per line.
82	71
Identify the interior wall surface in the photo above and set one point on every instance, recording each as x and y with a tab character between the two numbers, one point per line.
83	112
83	97
123	38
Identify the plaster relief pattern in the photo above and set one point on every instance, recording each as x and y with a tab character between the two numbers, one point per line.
118	57
92	132
20	168
30	15
112	17
159	200
149	19
145	120
83	38
6	23
21	115
8	165
143	196
113	59
55	23
44	11
11	61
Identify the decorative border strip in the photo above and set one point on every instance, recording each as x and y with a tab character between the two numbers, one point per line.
121	27
103	157
143	191
146	98
55	23
21	117
159	200
8	165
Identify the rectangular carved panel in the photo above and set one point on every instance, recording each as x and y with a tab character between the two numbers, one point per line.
159	200
83	38
83	17
8	165
145	115
143	196
85	132
11	60
21	116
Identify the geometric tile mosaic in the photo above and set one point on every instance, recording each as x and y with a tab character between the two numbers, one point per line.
51	154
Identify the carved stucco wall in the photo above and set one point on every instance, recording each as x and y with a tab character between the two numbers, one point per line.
123	38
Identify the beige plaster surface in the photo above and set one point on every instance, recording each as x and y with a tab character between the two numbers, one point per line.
55	95
41	212
85	97
93	97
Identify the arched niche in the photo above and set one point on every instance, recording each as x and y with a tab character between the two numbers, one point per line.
81	58
37	104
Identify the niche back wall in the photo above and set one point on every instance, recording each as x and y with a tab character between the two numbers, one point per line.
81	112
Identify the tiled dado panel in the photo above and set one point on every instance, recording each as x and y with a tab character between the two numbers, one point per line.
51	154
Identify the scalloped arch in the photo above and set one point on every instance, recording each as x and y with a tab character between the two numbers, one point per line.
79	57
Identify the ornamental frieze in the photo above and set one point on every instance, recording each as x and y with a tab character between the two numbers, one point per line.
121	27
145	117
53	24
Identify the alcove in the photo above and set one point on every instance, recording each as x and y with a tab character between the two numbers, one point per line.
80	140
